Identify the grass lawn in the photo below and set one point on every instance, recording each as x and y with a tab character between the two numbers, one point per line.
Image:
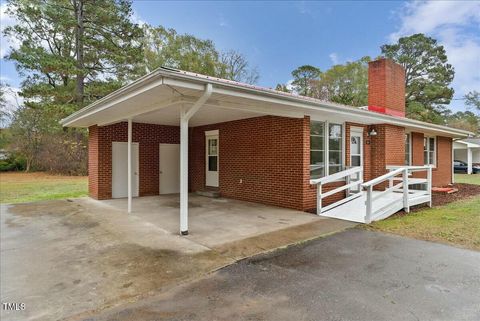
28	187
467	179
457	223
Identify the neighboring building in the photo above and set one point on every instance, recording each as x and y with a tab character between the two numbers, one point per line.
467	151
252	143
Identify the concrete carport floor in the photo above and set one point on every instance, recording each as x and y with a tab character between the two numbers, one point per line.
71	258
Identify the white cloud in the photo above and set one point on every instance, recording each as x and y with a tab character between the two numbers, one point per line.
334	58
5	21
135	18
13	99
456	25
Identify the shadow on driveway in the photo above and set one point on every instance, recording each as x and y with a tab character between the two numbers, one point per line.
352	275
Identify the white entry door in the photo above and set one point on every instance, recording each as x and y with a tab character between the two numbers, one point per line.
211	151
120	169
356	147
169	168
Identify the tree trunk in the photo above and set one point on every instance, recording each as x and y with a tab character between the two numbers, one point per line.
79	88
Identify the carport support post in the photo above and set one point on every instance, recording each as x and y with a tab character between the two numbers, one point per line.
469	160
129	161
183	173
185	115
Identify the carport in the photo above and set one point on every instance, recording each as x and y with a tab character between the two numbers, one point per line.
162	99
184	101
467	151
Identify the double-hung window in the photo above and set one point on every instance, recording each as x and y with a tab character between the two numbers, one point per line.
317	149
429	152
326	149
408	150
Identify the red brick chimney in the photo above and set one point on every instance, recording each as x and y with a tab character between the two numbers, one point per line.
386	87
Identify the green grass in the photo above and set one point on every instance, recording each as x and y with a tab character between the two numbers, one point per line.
457	223
29	187
468	179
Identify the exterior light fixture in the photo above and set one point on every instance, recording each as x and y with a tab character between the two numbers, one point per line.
372	132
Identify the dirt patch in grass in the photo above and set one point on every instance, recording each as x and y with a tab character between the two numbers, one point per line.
464	191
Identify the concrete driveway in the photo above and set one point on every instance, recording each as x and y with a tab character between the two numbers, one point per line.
75	257
353	275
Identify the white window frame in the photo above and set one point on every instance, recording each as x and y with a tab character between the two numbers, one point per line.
326	147
427	161
409	148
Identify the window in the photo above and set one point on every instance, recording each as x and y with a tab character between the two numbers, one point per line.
408	150
334	148
212	155
317	149
429	150
326	147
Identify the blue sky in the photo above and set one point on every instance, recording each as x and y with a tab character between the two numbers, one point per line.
277	37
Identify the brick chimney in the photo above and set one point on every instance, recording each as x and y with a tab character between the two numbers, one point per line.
386	87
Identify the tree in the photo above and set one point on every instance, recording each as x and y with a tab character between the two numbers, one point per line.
344	84
428	74
73	52
235	66
28	126
303	78
4	114
464	120
282	87
165	47
472	100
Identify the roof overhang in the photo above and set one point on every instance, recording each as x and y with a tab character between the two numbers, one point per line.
156	98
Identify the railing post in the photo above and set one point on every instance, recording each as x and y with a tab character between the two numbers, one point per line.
319	198
368	204
347	181
429	185
406	205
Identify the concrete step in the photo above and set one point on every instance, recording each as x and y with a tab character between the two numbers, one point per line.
209	193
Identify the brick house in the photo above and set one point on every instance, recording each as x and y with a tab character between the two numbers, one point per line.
189	132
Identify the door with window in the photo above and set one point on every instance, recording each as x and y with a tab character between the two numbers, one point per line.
211	170
356	147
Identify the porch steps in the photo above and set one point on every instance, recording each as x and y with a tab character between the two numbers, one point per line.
212	193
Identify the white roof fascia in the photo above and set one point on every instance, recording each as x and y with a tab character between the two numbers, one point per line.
230	88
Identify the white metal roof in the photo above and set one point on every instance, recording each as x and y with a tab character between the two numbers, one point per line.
157	96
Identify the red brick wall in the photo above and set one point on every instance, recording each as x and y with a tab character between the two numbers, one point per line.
93	162
148	136
442	174
270	154
266	153
386	87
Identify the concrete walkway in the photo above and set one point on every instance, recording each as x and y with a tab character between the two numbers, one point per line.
73	258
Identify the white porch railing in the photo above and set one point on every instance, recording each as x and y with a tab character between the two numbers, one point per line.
401	190
419	196
350	183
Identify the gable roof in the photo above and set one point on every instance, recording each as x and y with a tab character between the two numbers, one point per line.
195	83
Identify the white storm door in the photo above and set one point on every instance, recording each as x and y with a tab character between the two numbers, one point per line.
211	151
356	147
169	167
120	169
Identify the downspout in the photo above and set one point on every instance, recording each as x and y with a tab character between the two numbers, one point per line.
185	116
